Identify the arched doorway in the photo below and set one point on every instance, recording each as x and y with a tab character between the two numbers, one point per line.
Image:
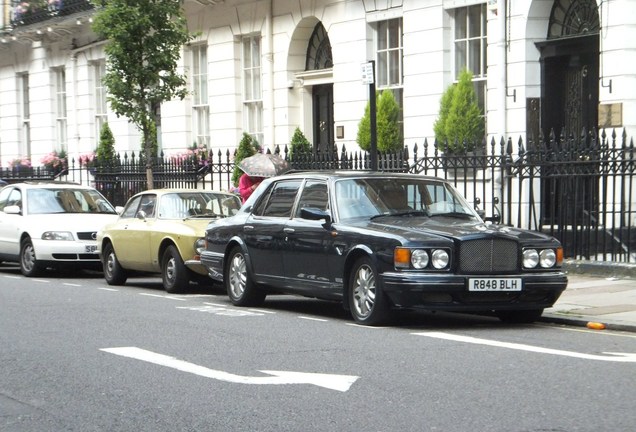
569	106
319	58
570	68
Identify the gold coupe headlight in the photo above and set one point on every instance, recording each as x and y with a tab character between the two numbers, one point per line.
199	246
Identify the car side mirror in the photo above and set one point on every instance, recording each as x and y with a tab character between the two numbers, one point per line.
13	209
313	213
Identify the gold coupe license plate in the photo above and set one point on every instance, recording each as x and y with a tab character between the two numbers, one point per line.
494	284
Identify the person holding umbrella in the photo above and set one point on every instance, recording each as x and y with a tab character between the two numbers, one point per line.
258	167
247	185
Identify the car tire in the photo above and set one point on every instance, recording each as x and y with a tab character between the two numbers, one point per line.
241	290
519	316
369	305
113	271
29	265
174	273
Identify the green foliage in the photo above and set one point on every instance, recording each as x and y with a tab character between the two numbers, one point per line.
299	144
145	38
105	154
460	125
387	122
247	147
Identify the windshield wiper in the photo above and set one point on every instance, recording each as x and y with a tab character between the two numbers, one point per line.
460	215
410	213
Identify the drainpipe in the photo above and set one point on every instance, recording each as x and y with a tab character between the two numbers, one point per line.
269	58
503	61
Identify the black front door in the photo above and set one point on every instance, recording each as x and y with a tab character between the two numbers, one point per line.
569	84
569	106
323	117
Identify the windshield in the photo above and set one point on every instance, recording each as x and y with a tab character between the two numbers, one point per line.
403	196
66	200
181	205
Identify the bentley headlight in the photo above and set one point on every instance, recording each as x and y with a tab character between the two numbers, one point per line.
530	258
57	235
440	258
199	246
419	259
547	258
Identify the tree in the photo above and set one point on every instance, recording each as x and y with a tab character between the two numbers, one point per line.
387	122
247	147
460	125
145	38
299	144
105	154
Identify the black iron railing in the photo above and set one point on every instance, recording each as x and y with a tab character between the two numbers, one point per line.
579	189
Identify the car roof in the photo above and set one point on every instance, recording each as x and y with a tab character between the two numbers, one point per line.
345	174
183	190
49	184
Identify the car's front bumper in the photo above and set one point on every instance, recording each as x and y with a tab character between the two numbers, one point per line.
450	292
57	251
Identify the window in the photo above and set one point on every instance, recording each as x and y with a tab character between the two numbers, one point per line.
131	209
470	46
389	73
314	195
59	82
280	201
252	92
200	107
25	115
99	95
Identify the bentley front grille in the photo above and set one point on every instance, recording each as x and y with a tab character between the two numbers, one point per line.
488	256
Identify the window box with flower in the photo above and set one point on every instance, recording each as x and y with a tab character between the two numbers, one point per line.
88	161
20	165
55	162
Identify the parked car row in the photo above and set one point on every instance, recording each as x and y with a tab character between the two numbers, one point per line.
374	242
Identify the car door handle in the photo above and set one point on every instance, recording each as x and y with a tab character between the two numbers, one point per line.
289	230
248	228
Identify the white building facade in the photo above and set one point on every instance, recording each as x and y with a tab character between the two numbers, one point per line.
266	67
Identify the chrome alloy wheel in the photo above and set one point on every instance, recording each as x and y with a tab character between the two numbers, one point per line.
364	291
237	274
171	270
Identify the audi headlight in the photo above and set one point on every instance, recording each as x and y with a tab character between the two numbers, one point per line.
58	235
419	259
530	258
547	258
440	258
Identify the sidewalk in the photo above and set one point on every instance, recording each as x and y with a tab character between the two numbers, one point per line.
599	294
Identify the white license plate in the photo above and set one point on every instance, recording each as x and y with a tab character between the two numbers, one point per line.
494	284
90	248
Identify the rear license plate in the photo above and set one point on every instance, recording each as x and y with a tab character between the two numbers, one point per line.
494	284
90	248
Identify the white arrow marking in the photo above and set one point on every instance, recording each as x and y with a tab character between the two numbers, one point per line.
332	382
613	357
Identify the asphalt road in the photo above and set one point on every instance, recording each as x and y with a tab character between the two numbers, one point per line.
78	355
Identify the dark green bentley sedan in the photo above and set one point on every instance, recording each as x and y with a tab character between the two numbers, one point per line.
380	242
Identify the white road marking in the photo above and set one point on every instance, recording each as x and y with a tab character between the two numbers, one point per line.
163	296
610	356
312	319
219	310
340	383
71	284
108	289
263	311
40	280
